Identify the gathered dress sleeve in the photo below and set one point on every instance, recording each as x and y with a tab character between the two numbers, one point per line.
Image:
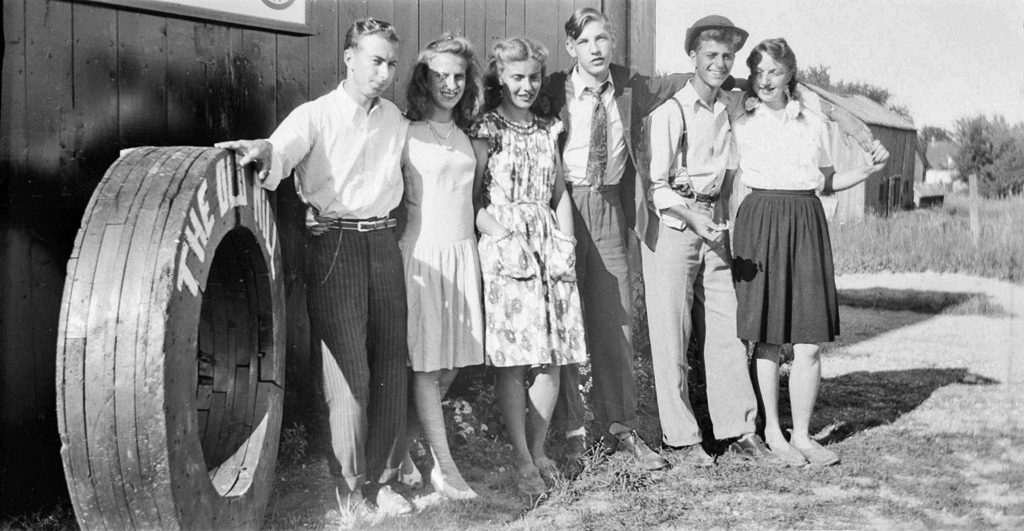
484	129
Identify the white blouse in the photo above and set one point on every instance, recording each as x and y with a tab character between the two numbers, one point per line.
780	152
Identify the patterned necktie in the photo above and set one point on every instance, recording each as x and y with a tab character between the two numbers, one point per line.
597	158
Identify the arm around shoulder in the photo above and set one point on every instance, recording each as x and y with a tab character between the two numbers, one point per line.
659	89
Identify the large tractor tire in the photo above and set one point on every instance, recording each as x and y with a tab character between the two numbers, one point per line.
170	355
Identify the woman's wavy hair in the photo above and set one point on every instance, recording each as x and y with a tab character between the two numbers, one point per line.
417	93
507	51
778	49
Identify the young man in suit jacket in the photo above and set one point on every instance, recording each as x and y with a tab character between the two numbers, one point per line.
602	106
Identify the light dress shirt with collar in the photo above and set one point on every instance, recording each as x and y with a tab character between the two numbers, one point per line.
580	107
347	161
711	150
780	152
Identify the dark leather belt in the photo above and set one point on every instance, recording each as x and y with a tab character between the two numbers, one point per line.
362	225
687	193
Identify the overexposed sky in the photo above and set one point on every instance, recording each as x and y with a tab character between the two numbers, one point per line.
943	59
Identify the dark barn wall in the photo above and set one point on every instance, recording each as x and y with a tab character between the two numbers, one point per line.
82	81
900	143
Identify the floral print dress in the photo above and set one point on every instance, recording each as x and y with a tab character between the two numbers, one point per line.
531	303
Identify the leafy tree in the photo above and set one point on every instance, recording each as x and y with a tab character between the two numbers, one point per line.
994	151
819	75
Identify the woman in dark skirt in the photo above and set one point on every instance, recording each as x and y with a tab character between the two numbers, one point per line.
782	256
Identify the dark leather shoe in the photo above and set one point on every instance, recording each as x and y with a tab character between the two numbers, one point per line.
751	448
691	455
632	444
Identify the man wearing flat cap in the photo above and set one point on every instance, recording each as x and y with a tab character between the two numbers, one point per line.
686	257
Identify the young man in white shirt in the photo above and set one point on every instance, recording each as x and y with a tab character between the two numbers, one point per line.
345	148
686	258
601	106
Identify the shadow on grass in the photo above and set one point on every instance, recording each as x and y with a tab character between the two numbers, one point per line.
925	302
852	402
859	401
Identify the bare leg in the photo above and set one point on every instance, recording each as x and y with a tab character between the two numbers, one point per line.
408	474
428	389
512	400
803	390
767	360
543	394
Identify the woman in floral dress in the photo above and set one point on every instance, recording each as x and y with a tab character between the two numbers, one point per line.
532	313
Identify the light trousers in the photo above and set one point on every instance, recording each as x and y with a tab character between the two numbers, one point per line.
689	290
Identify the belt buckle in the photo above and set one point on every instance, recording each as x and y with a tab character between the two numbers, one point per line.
373	225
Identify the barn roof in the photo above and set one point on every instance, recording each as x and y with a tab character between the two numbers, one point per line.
866	109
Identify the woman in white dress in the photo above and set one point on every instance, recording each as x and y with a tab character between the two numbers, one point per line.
438	243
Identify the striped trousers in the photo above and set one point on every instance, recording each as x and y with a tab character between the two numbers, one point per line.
357	315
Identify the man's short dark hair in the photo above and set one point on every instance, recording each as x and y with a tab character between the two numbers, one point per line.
583	16
369	26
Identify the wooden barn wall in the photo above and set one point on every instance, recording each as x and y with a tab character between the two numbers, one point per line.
82	81
900	144
865	198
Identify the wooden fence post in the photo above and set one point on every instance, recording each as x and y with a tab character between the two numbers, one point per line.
972	188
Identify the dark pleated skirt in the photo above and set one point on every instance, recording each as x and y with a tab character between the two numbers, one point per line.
782	265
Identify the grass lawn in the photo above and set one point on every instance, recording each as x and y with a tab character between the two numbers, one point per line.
928	433
936	240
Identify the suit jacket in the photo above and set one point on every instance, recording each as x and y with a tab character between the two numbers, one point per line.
636	96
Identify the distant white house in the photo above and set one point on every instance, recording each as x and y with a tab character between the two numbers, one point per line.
940	174
941	167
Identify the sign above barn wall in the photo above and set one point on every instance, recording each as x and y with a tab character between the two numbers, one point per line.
289	16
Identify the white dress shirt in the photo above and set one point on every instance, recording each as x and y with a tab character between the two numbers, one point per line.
347	161
710	146
577	146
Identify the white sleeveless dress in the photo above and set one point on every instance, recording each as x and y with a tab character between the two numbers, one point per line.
442	267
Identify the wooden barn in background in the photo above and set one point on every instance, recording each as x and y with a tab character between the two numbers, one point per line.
890	189
83	80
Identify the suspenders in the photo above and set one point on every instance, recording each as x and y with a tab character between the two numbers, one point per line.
685	186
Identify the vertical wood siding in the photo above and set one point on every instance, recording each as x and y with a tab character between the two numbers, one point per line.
872	195
80	82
